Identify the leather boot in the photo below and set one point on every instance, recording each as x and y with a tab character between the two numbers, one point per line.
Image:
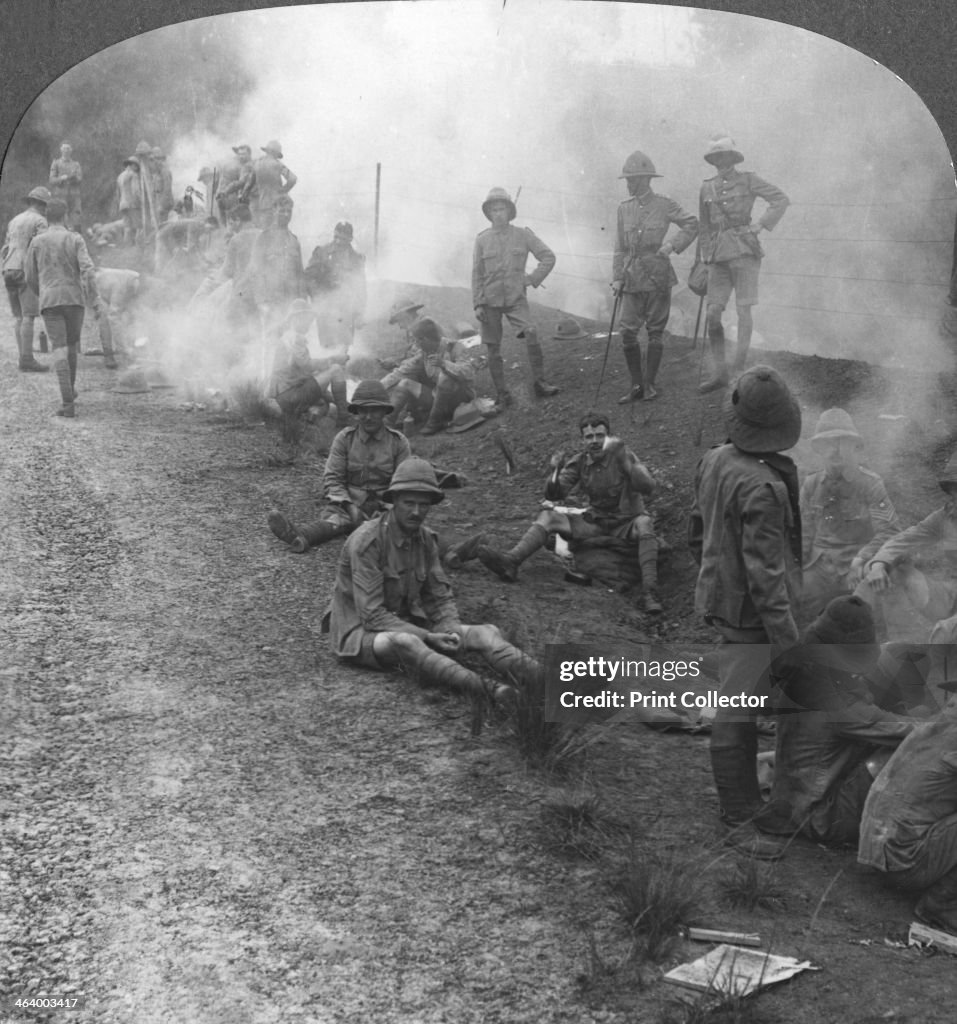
655	352
510	662
720	378
938	906
505	563
733	763
318	533
648	561
283	527
458	554
432	667
62	367
496	370
27	362
440	415
629	341
338	389
536	363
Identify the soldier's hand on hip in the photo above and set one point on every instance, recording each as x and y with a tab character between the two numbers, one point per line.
481	314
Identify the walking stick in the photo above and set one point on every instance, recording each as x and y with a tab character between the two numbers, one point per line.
697	437
611	326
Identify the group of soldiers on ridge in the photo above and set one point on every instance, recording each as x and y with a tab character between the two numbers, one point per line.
809	648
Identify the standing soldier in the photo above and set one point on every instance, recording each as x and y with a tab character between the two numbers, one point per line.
235	181
129	200
162	185
643	273
275	267
730	247
498	289
745	534
24	302
271	179
65	178
336	275
59	269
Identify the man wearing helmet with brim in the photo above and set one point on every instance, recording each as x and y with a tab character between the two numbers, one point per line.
24	301
730	248
642	270
499	283
271	178
392	605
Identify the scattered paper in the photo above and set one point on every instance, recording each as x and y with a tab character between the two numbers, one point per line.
736	971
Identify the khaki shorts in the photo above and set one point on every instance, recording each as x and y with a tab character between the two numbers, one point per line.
366	657
740	276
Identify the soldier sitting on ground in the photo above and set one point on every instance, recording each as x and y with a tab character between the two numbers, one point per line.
434	381
614	482
402	314
299	381
392	606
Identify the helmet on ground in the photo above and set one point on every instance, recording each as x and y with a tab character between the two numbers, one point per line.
370	394
414	475
722	144
569	329
499	195
638	164
760	413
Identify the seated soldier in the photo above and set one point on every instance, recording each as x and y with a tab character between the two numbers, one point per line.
433	382
298	380
358	469
829	728
909	826
613	481
403	313
846	514
392	605
893	569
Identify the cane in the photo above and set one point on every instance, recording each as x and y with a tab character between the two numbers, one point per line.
611	328
697	437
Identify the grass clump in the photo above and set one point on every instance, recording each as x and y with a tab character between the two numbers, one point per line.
577	826
658	892
552	747
751	884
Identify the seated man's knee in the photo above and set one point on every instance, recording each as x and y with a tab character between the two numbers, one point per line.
644	527
482	636
398	644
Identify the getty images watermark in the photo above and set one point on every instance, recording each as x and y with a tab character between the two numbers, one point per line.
590	683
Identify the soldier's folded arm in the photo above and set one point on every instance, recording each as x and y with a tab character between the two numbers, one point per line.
687	224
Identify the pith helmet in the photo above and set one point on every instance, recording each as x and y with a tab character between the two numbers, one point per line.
760	413
143	148
722	144
415	475
343	229
370	394
499	195
638	164
40	194
273	148
833	425
401	306
569	329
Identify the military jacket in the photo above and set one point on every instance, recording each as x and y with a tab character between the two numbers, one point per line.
59	269
643	222
725	215
608	481
498	265
271	178
70	170
128	190
276	266
427	369
360	465
20	233
844	518
339	270
935	536
386	579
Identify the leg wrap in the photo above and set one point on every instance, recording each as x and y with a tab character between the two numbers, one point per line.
533	539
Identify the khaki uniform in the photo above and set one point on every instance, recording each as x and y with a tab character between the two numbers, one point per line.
20	233
337	274
66	177
271	178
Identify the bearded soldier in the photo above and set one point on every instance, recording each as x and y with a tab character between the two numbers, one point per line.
643	273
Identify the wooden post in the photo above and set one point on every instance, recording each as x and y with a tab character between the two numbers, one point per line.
375	237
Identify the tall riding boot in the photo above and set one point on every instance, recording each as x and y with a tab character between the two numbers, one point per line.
536	364
720	378
444	402
496	370
455	556
734	748
648	561
439	670
938	906
62	367
338	389
655	352
745	327
505	563
629	341
106	342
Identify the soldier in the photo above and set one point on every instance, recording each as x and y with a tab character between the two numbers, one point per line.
392	605
237	267
59	269
614	482
118	290
271	179
745	534
434	381
276	266
129	200
846	514
358	469
236	181
730	248
933	594
642	270
24	302
499	282
909	826
66	175
336	277
403	313
162	185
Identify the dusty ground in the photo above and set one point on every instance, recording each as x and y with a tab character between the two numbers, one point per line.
205	819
